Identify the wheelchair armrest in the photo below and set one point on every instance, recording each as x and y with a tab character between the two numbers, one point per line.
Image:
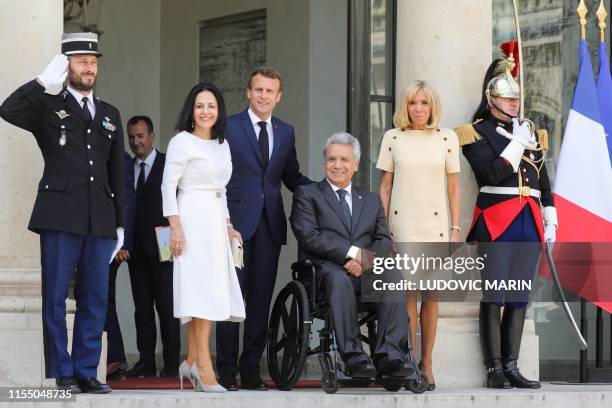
302	268
301	264
306	270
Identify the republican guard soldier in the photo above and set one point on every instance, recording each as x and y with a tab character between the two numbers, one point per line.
507	158
79	210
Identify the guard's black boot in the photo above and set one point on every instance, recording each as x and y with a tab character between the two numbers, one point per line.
511	334
491	345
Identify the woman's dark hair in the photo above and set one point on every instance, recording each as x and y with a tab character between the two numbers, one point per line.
185	120
483	111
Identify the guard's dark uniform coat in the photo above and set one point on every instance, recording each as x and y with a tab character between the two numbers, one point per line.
494	213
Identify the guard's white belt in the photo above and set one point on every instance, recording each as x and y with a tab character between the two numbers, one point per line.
524	191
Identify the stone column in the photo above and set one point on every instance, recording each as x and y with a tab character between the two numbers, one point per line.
449	44
31	31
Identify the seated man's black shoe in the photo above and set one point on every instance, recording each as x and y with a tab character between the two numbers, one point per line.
252	382
361	369
68	384
228	382
140	370
397	368
92	386
169	372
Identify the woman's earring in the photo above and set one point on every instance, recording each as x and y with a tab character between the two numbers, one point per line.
192	124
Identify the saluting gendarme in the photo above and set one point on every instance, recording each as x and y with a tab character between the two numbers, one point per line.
79	209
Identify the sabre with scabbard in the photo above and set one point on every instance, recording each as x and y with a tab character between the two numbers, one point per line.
551	264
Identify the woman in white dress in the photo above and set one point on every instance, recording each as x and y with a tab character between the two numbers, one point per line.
206	288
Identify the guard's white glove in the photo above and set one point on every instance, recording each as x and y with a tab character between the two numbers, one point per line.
520	133
550	233
550	224
56	72
119	243
520	139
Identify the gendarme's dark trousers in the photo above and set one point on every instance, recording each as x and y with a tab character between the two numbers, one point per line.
64	255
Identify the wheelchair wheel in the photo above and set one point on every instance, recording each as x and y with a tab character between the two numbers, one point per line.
329	383
418	385
288	335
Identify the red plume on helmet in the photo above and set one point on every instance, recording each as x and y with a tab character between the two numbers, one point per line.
510	48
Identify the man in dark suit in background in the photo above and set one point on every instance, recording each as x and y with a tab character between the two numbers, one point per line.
116	363
336	225
151	279
263	156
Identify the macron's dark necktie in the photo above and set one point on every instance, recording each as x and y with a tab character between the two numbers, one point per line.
264	146
141	180
346	210
86	111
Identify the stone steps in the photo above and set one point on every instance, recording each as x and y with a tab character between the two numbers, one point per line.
558	396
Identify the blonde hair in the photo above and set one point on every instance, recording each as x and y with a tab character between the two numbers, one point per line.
401	118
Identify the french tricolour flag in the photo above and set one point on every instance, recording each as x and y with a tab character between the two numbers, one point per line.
583	182
583	192
604	93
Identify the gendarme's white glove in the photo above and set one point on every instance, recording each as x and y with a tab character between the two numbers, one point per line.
56	71
550	224
118	245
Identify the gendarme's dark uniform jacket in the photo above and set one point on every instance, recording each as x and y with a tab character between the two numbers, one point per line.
82	187
495	212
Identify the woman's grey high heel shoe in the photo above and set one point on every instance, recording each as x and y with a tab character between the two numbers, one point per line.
203	387
185	371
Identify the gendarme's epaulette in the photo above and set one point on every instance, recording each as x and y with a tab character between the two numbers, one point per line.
467	134
543	138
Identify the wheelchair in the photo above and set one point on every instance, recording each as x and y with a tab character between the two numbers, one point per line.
289	331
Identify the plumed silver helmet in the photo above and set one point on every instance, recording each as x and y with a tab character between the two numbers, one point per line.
503	83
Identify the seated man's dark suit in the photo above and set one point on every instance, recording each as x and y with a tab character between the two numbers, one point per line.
325	238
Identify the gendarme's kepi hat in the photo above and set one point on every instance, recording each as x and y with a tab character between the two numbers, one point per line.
80	43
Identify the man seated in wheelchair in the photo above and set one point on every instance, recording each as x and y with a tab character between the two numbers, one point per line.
336	224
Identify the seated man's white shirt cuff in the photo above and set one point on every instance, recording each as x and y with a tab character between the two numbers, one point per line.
352	252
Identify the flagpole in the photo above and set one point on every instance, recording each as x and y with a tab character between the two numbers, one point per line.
601	16
582	12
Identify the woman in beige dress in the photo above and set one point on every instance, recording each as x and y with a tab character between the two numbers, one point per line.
420	169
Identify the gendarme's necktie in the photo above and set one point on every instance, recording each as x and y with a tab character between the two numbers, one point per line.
264	147
346	210
141	180
86	109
